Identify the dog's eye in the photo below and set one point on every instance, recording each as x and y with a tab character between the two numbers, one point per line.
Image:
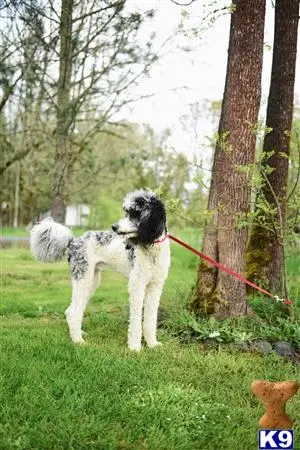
134	213
140	202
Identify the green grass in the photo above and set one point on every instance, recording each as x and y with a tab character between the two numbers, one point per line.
23	232
14	232
55	395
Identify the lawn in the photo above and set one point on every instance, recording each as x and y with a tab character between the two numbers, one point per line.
25	232
55	395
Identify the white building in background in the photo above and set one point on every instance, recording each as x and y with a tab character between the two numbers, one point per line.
76	215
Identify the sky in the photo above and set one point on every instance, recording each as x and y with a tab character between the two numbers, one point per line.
181	78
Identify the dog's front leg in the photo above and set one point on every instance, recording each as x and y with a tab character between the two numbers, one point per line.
152	299
136	289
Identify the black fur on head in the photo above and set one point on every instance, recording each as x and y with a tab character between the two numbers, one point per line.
147	215
145	218
153	221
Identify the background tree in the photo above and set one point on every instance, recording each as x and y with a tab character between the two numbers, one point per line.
97	40
64	117
265	256
83	62
216	292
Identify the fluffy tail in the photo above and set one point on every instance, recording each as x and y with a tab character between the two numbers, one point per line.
49	240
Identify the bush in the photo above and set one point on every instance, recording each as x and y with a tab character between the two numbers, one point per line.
104	213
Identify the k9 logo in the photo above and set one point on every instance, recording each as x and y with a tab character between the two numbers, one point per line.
274	439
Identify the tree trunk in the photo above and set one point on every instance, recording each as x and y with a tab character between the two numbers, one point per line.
17	196
216	292
64	121
265	256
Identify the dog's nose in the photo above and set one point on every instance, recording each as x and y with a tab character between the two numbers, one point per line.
115	227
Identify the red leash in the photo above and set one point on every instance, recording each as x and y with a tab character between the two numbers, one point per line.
225	269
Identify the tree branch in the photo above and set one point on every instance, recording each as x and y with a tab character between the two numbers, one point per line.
8	92
17	157
119	5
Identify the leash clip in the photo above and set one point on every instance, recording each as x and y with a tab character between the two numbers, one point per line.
278	299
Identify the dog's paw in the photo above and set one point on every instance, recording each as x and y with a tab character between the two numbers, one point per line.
154	344
78	340
134	347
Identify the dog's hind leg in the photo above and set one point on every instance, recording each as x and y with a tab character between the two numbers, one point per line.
96	282
151	304
81	292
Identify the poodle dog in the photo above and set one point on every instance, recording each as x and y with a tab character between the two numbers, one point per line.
137	247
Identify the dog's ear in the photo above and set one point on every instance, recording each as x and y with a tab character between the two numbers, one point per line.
152	224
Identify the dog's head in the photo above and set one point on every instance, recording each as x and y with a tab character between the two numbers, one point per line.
145	218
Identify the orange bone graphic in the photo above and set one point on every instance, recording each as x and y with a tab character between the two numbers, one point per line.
274	396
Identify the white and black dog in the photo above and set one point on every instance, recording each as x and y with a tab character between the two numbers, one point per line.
137	247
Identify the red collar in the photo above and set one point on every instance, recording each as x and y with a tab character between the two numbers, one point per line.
159	241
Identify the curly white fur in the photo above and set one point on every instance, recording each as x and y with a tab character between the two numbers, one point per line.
49	240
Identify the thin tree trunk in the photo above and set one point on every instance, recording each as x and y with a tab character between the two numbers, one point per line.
63	114
216	292
265	256
17	195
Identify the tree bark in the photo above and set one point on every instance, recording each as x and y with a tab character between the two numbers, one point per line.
215	292
64	121
265	256
17	196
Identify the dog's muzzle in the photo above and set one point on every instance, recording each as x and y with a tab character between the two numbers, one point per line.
124	228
